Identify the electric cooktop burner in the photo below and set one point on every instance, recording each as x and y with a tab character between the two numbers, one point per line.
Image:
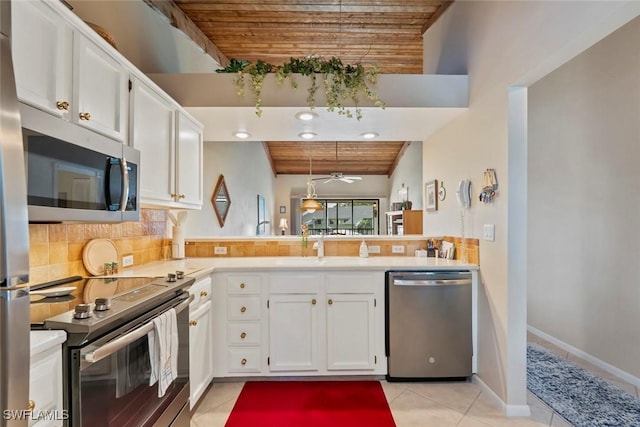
99	304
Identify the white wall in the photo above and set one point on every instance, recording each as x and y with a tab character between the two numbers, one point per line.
584	228
131	23
409	173
503	44
247	174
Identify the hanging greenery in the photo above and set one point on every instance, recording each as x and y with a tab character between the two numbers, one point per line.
341	82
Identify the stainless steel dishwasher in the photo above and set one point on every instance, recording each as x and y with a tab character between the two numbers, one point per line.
428	325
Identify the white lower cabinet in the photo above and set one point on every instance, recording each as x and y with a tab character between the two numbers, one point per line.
200	336
299	323
45	378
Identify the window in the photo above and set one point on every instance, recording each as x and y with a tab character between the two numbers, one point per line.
343	217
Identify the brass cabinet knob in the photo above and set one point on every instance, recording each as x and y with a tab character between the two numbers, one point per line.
85	116
243	309
193	322
203	293
174	195
313	301
62	105
241	285
330	301
243	335
181	196
31	406
243	362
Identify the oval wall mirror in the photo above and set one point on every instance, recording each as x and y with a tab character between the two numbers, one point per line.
221	200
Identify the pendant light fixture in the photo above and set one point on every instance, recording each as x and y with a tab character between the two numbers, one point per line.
311	204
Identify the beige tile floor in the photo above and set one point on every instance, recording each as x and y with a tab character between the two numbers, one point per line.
423	404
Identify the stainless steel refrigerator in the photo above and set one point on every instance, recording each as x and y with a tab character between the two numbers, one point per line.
14	243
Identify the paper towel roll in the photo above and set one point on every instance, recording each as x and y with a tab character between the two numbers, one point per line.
177	245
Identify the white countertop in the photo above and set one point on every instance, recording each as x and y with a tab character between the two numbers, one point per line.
43	340
199	267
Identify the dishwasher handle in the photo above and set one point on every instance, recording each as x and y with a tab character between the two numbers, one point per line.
442	282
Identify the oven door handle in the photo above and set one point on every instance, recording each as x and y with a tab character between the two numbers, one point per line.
123	341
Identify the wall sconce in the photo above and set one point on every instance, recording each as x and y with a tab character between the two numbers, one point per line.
283	225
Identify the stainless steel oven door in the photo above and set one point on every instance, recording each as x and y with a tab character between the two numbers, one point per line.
110	378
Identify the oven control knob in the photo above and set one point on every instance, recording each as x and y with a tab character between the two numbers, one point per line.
103	304
82	311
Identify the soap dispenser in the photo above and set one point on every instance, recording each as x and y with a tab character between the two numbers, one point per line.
364	250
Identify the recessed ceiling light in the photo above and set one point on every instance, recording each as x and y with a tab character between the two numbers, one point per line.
369	135
306	115
242	134
307	135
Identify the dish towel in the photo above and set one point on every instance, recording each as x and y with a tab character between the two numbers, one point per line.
163	351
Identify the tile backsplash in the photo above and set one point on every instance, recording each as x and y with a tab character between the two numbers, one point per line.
55	250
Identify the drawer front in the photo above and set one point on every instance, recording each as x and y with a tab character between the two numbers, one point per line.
243	308
243	333
243	359
243	284
201	291
45	382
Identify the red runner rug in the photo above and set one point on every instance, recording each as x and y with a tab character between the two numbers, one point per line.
311	404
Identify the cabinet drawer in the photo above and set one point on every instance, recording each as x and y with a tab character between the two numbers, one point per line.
201	291
295	283
243	284
45	382
243	360
243	307
243	333
353	282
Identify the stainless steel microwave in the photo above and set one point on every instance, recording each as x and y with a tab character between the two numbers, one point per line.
74	174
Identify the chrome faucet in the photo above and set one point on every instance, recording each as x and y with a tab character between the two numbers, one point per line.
319	245
258	226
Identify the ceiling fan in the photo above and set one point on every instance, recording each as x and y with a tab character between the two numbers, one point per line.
338	176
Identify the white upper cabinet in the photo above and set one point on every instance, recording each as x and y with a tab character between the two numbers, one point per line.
188	161
152	132
62	71
42	55
100	90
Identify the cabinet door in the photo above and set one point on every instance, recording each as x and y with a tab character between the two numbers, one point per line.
42	55
293	332
100	90
200	351
45	385
188	161
350	331
152	132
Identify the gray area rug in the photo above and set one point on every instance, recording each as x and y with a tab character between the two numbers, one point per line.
581	398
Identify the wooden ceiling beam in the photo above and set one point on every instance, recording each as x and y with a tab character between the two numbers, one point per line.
395	162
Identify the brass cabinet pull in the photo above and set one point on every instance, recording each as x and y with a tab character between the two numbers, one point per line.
203	293
85	116
330	301
193	322
243	362
243	309
313	301
31	406
243	335
181	196
174	195
62	105
241	285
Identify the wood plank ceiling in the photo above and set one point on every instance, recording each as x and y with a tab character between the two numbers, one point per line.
385	33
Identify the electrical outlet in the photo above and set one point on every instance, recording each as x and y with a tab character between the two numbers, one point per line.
374	249
397	249
489	232
127	260
220	250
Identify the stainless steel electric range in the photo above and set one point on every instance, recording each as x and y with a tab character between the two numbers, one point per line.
106	356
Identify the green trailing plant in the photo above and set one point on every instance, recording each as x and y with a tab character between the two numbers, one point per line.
340	82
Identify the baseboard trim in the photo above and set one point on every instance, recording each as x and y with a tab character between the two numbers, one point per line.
509	410
625	376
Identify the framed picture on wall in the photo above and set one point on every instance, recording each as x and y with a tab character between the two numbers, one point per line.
283	209
431	196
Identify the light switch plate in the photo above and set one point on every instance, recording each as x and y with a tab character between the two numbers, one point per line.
489	232
397	249
374	249
220	250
